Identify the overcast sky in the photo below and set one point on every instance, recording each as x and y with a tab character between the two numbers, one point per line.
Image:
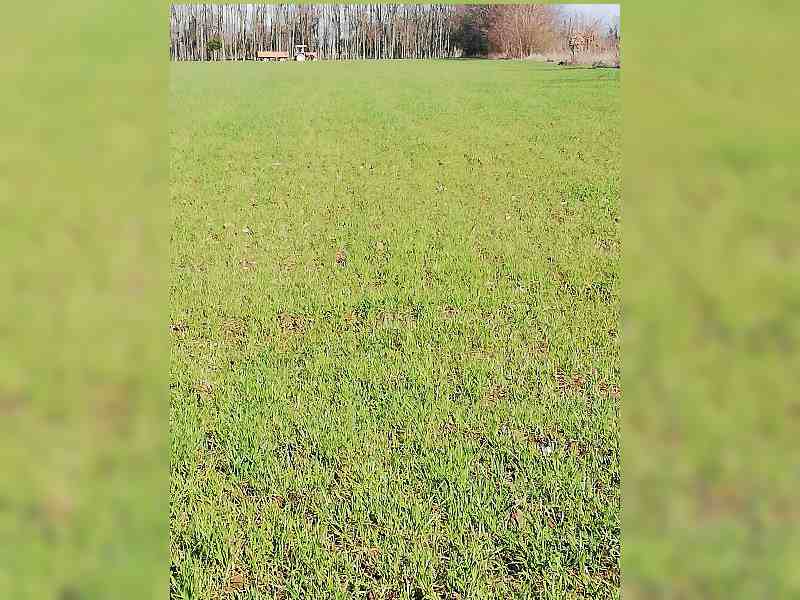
607	12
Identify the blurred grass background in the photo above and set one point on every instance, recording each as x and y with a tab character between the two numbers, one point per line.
83	301
711	302
710	294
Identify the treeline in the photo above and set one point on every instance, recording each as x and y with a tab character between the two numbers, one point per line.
379	31
238	32
535	31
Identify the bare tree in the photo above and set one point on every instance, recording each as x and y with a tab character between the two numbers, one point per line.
518	31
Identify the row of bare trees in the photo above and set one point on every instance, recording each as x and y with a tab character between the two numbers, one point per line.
374	31
535	30
240	31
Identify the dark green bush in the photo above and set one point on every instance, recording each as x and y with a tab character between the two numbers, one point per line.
214	44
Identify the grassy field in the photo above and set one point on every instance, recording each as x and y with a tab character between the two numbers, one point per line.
395	330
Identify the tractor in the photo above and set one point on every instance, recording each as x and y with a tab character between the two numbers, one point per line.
300	53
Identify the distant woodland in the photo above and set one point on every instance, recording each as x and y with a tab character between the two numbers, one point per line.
385	31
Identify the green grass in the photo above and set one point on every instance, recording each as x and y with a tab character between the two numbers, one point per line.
435	415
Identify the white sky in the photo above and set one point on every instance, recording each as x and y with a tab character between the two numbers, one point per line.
607	12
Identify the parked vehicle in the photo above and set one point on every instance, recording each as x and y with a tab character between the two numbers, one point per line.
300	54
